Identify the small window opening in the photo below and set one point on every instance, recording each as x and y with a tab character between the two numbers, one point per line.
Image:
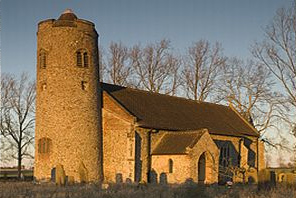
44	86
82	58
84	85
39	146
44	145
79	59
42	57
85	59
171	166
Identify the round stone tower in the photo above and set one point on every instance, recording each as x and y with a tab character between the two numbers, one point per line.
68	134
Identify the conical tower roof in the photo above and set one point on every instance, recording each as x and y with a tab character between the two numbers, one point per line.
68	15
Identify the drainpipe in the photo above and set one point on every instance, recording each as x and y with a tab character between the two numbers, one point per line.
148	155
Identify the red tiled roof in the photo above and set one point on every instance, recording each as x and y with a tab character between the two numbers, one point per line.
177	143
159	111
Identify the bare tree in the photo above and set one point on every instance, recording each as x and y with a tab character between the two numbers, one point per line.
17	116
281	160
156	68
294	134
268	159
201	69
102	64
278	51
248	86
119	68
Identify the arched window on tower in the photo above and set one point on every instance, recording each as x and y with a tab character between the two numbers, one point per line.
79	59
44	145
82	58
85	59
42	59
171	166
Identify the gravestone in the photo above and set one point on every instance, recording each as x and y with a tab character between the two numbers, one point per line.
83	173
60	175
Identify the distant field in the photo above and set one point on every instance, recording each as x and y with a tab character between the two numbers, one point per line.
30	190
12	174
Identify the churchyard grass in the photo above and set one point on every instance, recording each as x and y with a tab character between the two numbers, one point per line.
31	190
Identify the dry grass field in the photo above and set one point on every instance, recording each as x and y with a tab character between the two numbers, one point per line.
30	190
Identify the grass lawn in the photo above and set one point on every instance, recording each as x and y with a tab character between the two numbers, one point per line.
30	190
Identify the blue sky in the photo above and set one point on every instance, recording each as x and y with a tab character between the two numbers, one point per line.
236	24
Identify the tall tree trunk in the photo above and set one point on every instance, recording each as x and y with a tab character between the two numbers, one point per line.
19	160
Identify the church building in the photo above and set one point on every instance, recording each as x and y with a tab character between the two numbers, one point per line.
99	132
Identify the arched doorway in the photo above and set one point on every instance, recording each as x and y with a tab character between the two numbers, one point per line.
53	174
201	168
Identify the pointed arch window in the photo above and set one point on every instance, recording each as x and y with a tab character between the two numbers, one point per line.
224	158
171	166
82	59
